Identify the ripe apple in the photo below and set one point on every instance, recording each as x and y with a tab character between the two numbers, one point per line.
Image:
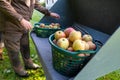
42	25
63	43
59	34
81	54
57	24
68	30
54	41
92	45
87	37
51	26
55	27
86	45
78	45
70	49
74	35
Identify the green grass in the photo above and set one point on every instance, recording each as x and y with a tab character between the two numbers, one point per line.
6	71
36	16
115	75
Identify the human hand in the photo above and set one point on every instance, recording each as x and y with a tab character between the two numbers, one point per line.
54	15
26	24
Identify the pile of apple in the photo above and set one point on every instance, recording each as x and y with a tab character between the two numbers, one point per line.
73	40
52	25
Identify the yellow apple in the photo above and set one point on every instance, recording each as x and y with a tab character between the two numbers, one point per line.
86	45
74	35
63	43
87	37
42	25
78	45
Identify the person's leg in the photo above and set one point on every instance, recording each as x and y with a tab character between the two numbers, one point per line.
25	51
1	46
12	44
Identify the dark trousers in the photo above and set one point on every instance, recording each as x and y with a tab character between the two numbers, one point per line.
15	43
0	36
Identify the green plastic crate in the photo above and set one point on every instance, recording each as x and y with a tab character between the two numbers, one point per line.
69	63
44	32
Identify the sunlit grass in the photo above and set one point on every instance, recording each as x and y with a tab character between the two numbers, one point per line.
115	75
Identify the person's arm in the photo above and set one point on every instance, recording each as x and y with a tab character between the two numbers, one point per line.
11	13
44	10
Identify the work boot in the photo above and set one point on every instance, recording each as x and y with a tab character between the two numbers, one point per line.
1	53
16	64
1	50
25	51
20	71
1	56
30	65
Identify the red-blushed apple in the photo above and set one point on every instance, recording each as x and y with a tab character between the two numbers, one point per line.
59	34
63	43
81	55
86	48
87	37
68	30
70	49
57	24
92	45
78	45
51	26
74	35
86	45
54	41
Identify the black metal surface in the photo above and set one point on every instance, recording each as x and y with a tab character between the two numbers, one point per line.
102	15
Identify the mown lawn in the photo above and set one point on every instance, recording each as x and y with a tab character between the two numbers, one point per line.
6	71
115	75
